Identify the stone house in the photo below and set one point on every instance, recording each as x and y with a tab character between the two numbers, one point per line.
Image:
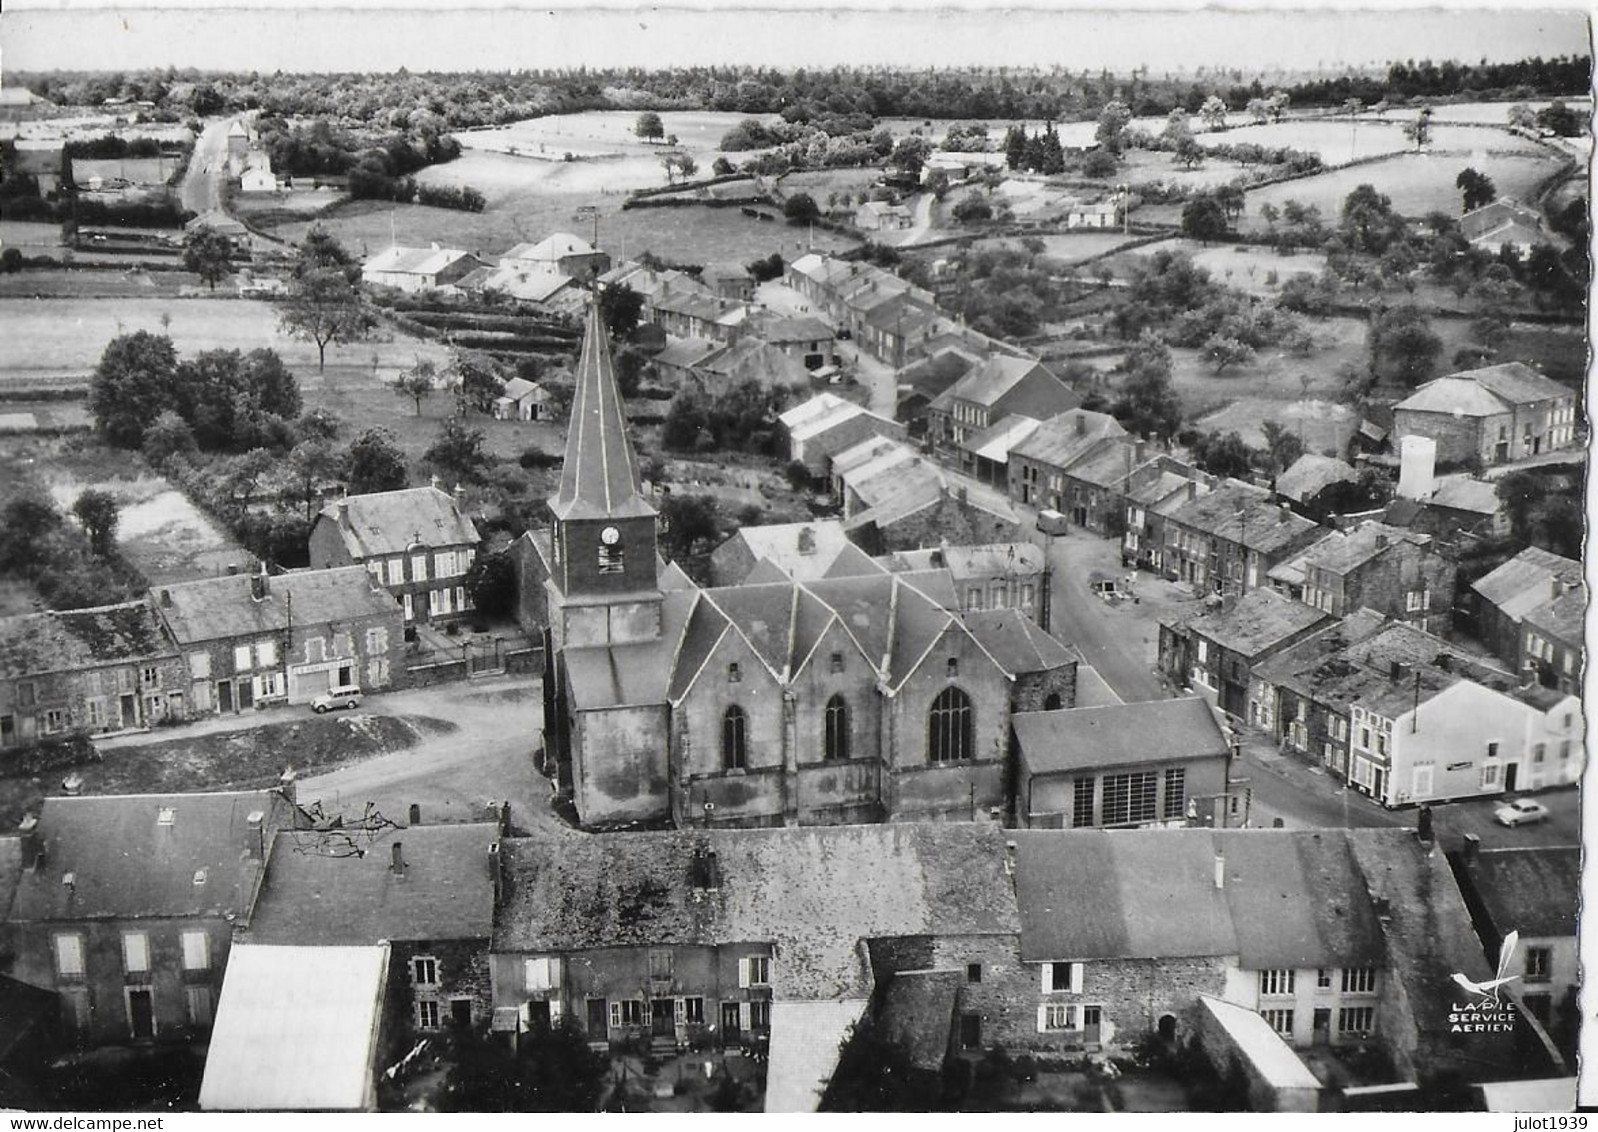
1122	765
1492	415
1396	572
1000	386
1285	685
563	252
255	639
107	668
418	269
804	338
899	327
126	905
826	425
882	216
1227	540
1149	498
1215	652
1553	645
428	891
1533	584
1098	482
728	281
416	542
1006	575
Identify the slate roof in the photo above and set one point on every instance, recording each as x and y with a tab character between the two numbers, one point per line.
1454	397
931	375
1289	667
1261	620
32	644
390	522
813	892
1466	493
1347	550
219	608
1157	488
1525	582
599	478
999	439
988	560
1485	392
1106	463
1018	643
754	358
917	1015
1563	619
639	673
783	545
1118	735
1312	474
684	353
778	329
555	246
1533	890
995	377
126	865
1265	526
1291	898
1362	672
414	261
445	892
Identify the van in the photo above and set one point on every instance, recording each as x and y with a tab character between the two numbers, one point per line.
1052	523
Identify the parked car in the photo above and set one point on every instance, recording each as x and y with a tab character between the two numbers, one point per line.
349	698
1522	811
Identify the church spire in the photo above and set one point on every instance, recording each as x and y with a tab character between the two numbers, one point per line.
600	477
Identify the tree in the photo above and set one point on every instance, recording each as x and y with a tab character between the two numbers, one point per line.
1213	113
1522	117
1099	164
938	183
649	126
621	308
491	582
1282	446
552	1069
1148	403
678	164
1188	152
972	208
801	208
310	464
209	254
30	522
375	463
417	382
1352	107
1223	455
910	153
1204	219
1259	110
321	249
11	261
134	383
630	365
1223	351
321	305
97	511
1476	188
458	451
1113	121
687	521
1420	130
169	435
1402	345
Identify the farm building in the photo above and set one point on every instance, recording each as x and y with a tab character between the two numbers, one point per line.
523	400
563	252
881	216
418	269
1492	415
1503	223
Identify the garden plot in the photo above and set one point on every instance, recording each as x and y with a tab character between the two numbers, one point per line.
1322	425
1417	183
606	133
1339	140
1244	266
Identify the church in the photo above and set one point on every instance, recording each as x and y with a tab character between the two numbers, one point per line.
846	699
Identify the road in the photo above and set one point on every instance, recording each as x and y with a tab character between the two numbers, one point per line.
202	182
922	225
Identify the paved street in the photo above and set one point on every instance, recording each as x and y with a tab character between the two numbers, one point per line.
202	182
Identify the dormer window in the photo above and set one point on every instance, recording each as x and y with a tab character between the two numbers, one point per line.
610	559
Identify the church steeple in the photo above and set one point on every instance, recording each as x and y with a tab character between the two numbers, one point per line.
600	477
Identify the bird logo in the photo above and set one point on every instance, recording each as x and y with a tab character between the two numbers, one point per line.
1489	990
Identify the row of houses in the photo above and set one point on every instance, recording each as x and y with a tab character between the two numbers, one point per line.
380	564
174	918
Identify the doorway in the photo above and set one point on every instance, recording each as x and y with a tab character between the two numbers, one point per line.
460	1012
141	1013
224	695
246	694
1092	1024
729	1023
1323	1027
662	1018
598	1024
128	706
1166	1029
1510	775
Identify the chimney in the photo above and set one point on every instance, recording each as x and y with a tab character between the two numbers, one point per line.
166	599
31	843
1141	449
1445	662
255	836
433	482
1283	513
1555	587
1009	858
1381	540
1417	466
807	541
258	584
496	874
1220	869
416	814
70	882
1081	424
1423	823
1396	670
1472	847
397	858
232	569
1192	490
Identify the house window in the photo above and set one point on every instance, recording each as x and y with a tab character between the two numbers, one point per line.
1175	792
610	559
1062	977
760	1015
150	676
693	1010
973	598
1356	1019
970	1031
1564	749
427	1014
1489	775
419	567
949	737
1054	1016
1539	964
1028	595
1130	798
196	951
69	956
1539	751
837	729
734	754
734	674
396	571
1359	980
1276	981
424	971
973	972
197	1003
135	953
754	971
1082	802
1279	1020
444	564
1492	750
1323	978
96	713
376	641
55	720
660	963
626	1012
265	654
541	974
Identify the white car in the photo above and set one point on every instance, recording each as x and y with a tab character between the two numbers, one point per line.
331	701
1520	812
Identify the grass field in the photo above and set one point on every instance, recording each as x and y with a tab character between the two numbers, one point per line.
820	183
1243	266
599	132
59	338
99	283
1322	425
1497	113
1418	183
1340	141
31	236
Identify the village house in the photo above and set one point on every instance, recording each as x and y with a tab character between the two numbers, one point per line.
1090	214
1037	462
677	361
107	668
126	905
800	552
415	542
1227	540
1098	482
1503	223
899	328
1285	687
1122	766
999	387
1005	575
804	338
1534	585
562	252
44	161
1535	892
882	216
922	380
1494	415
747	358
538	283
728	281
418	269
769	940
1373	566
1311	474
1149	498
1454	505
1215	652
254	639
523	400
652	284
690	314
819	429
900	500
428	891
